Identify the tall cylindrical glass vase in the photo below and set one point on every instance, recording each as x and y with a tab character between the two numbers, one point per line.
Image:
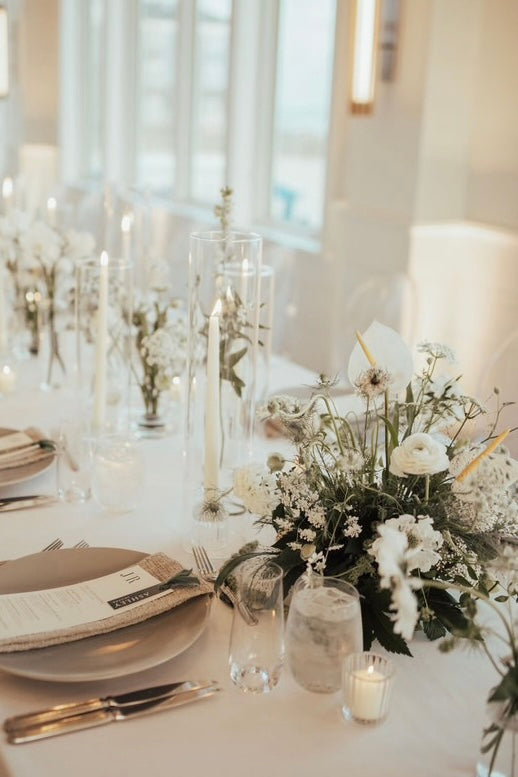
104	293
223	340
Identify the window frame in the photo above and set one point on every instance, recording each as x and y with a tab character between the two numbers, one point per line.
252	60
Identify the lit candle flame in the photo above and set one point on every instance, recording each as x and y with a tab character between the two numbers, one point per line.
7	188
104	259
126	222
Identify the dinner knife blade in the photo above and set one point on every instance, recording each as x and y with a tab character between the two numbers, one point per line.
23	502
102	717
59	711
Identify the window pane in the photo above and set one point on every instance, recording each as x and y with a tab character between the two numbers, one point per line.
156	94
94	89
211	68
303	93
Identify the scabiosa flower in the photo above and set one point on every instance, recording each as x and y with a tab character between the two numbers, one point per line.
373	382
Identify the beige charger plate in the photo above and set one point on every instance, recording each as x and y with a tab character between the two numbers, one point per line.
115	654
9	477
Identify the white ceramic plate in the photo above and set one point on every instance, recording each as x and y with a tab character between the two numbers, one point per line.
27	471
118	653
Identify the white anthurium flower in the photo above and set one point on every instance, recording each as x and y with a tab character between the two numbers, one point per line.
390	353
419	454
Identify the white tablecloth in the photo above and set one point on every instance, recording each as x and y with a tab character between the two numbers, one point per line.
437	710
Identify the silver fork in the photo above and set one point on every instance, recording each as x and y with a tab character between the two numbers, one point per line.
81	544
56	545
207	571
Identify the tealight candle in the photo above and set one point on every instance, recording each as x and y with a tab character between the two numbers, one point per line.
367	684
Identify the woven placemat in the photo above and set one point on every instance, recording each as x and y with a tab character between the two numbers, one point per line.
160	566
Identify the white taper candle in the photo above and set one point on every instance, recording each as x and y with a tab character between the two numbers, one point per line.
101	345
212	426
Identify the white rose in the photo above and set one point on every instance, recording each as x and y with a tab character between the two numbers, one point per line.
419	454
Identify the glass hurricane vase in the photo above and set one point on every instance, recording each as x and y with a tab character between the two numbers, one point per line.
224	280
499	752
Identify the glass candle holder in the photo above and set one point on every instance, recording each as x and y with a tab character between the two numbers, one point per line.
222	355
266	319
104	292
367	681
118	473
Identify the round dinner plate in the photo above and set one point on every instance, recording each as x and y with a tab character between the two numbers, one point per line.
115	654
13	475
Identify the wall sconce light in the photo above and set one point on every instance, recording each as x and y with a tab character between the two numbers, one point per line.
4	53
366	18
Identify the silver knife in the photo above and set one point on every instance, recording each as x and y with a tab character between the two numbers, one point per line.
101	717
129	699
23	502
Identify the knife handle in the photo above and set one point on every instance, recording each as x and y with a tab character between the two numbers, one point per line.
53	713
63	726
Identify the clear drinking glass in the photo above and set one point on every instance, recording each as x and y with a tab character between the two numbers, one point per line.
74	462
257	643
118	473
324	625
367	685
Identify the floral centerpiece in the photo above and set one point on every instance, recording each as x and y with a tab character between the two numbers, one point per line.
160	332
403	464
497	636
42	259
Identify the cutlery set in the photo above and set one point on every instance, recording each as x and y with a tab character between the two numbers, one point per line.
77	716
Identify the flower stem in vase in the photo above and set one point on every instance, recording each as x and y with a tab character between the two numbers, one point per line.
54	355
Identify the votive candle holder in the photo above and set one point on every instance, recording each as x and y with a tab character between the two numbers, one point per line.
367	680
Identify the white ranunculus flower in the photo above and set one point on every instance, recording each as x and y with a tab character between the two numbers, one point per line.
390	353
419	454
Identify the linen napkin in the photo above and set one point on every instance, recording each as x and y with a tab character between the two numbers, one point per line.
160	566
20	448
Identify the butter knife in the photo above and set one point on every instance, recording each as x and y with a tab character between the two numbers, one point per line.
23	502
101	717
103	703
